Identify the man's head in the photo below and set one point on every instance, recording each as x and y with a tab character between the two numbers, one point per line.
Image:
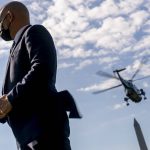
13	16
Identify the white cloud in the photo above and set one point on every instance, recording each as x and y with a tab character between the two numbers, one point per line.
129	6
77	53
111	8
65	65
107	8
82	29
143	44
135	65
108	59
83	64
139	66
101	86
119	106
108	26
145	71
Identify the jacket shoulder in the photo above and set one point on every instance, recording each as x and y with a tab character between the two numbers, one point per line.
36	29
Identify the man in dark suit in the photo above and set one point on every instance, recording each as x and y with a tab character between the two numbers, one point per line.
30	103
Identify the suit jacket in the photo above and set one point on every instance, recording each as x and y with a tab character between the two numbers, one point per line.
30	86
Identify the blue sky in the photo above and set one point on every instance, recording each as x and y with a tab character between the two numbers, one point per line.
90	36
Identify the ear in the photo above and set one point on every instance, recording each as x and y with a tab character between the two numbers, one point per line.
10	16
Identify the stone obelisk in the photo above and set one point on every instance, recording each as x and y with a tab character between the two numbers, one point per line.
139	135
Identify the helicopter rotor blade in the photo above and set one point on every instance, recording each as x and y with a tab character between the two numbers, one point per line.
105	74
137	71
101	91
142	78
143	61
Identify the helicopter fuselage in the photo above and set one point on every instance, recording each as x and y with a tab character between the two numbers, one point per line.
135	96
132	92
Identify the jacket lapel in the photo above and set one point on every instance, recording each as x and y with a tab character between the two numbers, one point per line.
8	63
6	72
18	40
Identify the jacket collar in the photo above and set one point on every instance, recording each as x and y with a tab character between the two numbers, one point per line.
18	37
20	33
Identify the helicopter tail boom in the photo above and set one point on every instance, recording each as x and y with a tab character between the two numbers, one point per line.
119	70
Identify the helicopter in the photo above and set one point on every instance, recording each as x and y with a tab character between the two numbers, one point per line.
131	91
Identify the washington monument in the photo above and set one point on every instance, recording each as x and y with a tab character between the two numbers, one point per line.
139	135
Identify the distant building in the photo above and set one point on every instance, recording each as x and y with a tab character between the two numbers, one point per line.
139	135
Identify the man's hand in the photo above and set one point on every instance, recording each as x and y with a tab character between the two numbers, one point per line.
5	106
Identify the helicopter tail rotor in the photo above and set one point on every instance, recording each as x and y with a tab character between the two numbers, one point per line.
107	75
119	70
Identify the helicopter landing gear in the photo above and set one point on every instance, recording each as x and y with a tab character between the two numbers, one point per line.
126	100
143	93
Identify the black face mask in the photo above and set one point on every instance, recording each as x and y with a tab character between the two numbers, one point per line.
5	33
